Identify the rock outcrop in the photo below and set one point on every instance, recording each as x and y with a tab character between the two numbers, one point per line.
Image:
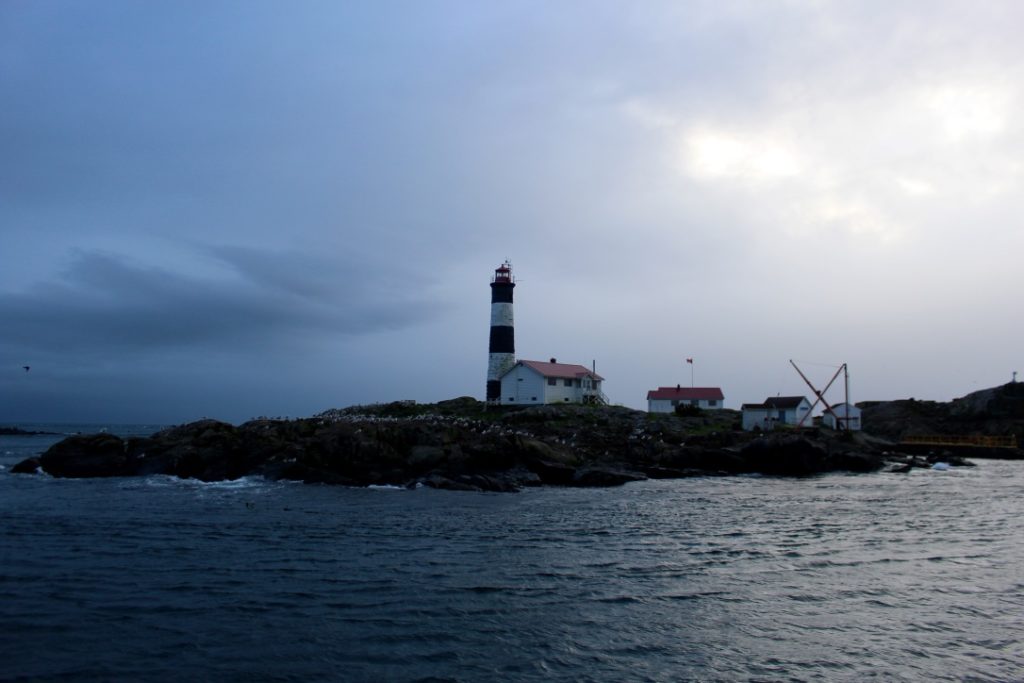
461	446
93	455
14	431
998	411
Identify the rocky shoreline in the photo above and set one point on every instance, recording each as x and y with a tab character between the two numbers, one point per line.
15	431
997	411
460	445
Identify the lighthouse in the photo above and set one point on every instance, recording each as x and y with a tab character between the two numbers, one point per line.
502	347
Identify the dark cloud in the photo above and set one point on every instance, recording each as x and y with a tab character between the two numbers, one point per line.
104	304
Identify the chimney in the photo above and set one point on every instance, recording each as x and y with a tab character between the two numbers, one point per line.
553	361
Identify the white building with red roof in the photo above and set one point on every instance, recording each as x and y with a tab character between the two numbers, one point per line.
666	399
533	382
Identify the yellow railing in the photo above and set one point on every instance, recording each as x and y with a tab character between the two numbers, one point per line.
971	440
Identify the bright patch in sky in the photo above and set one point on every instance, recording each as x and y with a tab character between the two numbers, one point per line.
716	155
915	187
968	112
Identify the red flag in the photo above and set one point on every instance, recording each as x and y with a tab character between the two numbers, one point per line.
690	361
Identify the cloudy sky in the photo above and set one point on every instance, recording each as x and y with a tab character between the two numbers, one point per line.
233	209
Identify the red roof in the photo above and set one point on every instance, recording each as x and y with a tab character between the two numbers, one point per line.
562	370
686	394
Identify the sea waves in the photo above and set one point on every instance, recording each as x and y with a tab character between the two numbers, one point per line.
899	577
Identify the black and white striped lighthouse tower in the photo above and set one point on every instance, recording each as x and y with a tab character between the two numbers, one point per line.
503	345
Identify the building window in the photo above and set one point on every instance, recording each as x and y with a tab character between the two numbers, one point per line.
577	384
511	399
565	399
552	382
567	382
694	402
534	398
674	403
712	402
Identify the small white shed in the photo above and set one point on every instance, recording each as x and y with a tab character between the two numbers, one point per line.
843	415
788	410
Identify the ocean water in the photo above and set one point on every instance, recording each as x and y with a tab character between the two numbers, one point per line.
888	577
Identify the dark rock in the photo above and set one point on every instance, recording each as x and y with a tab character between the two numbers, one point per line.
96	455
147	458
705	459
436	481
599	476
855	461
464	405
535	449
654	472
486	482
27	466
949	459
294	471
552	473
427	456
786	455
998	411
522	477
16	431
1003	402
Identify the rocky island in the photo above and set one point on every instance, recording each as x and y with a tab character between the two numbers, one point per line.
14	431
460	444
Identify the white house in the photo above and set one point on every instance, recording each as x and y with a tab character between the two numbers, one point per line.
665	399
790	410
846	415
531	382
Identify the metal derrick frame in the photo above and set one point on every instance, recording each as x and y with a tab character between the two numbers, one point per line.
820	396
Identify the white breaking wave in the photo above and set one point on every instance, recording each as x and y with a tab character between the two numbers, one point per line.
169	480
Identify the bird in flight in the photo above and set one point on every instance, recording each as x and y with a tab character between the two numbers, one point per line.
27	367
